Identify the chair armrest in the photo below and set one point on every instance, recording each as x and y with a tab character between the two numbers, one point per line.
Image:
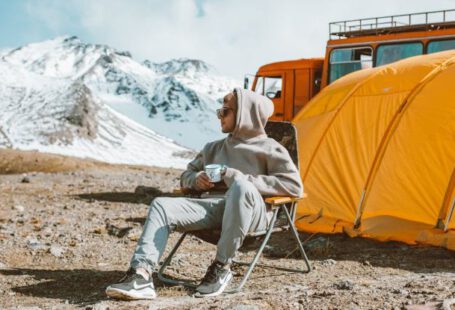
279	200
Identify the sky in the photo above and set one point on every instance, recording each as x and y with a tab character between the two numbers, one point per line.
235	36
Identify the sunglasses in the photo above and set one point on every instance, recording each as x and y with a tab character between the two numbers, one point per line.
223	112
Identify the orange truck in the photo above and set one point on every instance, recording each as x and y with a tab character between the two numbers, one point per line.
353	45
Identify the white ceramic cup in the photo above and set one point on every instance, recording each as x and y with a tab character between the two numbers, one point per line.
213	172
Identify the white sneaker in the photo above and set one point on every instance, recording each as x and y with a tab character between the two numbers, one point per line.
132	286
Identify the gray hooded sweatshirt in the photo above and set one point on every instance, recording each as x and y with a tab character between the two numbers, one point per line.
248	153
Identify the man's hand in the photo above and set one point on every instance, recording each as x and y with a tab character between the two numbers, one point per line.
203	182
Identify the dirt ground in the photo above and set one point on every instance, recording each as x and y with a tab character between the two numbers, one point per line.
68	232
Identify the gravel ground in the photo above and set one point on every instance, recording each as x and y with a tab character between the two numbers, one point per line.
65	236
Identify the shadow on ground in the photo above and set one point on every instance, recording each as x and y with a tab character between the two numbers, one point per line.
141	195
339	247
78	286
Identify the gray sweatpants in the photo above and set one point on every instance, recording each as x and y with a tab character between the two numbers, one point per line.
240	211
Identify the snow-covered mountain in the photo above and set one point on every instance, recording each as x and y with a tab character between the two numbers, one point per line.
88	100
62	116
176	99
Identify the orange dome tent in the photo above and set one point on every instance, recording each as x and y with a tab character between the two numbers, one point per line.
377	153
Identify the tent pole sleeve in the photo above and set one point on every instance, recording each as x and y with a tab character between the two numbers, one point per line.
359	207
446	226
445	206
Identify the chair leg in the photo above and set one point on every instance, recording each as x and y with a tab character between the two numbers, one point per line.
258	254
302	251
296	237
166	263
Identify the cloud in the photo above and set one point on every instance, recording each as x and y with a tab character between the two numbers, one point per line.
235	36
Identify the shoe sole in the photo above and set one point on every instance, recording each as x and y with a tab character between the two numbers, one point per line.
125	295
220	290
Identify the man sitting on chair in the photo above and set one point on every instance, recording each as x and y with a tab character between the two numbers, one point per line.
255	166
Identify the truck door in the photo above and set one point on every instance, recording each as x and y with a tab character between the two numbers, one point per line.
301	89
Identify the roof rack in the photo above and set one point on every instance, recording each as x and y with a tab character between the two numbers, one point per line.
392	24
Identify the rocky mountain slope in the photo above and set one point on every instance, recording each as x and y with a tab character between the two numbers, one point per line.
63	116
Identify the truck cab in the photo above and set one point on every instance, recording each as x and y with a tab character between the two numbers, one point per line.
353	45
289	84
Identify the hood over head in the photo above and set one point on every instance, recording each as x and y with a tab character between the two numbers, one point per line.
253	111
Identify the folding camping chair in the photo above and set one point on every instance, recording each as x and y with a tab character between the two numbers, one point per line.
284	210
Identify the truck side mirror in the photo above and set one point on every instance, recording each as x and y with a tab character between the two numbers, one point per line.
317	83
270	94
246	82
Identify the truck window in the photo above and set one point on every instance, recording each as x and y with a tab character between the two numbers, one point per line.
347	60
259	88
439	46
269	86
272	87
388	53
